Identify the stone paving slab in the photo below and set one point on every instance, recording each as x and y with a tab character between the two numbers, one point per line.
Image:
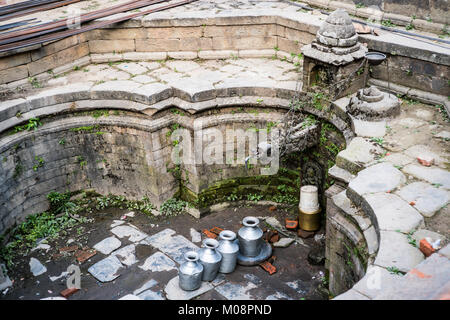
396	251
108	245
133	234
433	175
376	281
106	270
427	199
158	262
36	267
382	177
358	153
392	213
126	255
173	246
174	292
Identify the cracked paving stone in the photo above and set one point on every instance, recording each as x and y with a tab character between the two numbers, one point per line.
106	270
158	262
234	291
427	199
126	255
433	175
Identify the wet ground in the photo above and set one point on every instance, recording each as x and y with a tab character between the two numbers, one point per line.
295	278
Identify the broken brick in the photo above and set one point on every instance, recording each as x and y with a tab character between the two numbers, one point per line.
69	249
305	234
209	234
272	208
83	255
426	248
270	268
426	161
275	237
412	203
216	230
68	292
291	224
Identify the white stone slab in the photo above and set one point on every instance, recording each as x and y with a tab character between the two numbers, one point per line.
108	245
195	235
36	267
427	199
107	269
174	292
126	255
433	175
158	262
133	234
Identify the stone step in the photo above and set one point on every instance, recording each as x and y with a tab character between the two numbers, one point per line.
341	176
429	280
358	154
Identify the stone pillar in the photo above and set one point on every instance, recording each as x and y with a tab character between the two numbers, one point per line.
333	56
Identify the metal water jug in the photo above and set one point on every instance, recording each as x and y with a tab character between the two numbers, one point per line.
210	259
190	272
229	249
250	237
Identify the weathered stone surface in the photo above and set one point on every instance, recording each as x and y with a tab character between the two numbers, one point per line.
424	197
272	221
382	177
423	282
173	246
351	294
343	202
357	154
436	176
158	262
423	152
133	234
107	269
368	129
151	295
340	174
376	281
108	245
174	292
373	104
126	255
443	135
234	291
36	267
5	282
149	284
392	213
195	235
395	251
423	233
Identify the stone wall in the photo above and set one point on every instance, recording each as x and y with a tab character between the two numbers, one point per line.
430	15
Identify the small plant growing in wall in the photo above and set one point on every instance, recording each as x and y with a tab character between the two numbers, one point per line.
39	164
32	124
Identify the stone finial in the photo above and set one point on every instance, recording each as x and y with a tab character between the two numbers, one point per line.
336	41
373	104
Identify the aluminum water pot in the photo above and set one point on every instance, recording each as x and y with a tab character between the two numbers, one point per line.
229	249
190	272
210	259
250	237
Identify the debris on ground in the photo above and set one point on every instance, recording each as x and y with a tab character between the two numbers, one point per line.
209	234
425	160
305	234
272	236
68	292
216	230
195	235
272	208
36	267
283	243
85	254
273	222
69	249
317	255
291	224
267	266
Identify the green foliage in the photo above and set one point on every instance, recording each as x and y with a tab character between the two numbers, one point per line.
40	163
32	124
378	141
34	82
173	207
254	197
388	23
395	270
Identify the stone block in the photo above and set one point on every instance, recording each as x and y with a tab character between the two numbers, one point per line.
424	197
19	59
358	153
139	56
53	47
111	46
436	176
217	54
58	59
13	74
224	43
